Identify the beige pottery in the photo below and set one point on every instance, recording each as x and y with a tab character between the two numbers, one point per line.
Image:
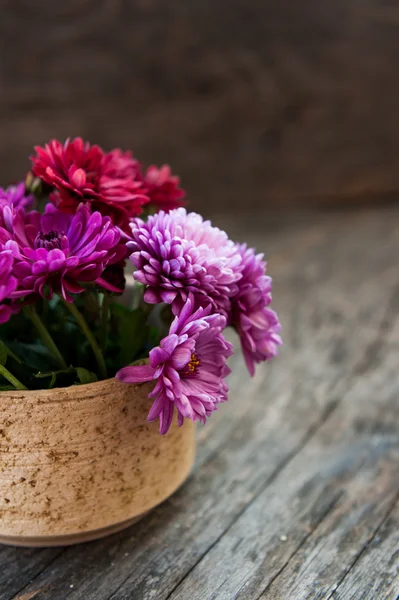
81	462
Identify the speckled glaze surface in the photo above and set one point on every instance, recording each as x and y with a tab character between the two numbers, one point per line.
81	462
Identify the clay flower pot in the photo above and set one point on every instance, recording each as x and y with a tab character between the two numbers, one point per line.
81	462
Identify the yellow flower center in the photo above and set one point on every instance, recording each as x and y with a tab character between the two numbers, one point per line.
193	364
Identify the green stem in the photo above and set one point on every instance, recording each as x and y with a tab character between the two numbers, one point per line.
90	337
14	356
10	377
45	336
104	318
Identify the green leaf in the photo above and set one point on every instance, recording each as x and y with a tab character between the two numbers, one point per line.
128	332
85	376
36	355
30	361
3	353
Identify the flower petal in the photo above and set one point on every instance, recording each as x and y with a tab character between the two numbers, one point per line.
136	374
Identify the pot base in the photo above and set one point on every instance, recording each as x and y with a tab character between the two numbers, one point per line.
68	540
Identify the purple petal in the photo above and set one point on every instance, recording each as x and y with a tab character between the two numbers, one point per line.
168	296
150	295
180	357
165	418
157	407
158	356
169	343
136	374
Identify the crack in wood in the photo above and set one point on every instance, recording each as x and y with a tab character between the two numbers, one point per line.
329	509
18	596
278	469
364	549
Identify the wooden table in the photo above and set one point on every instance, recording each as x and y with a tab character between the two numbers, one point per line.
296	487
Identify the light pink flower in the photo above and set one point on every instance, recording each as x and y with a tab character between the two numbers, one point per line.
178	253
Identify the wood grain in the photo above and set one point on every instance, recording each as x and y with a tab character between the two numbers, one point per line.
296	486
276	103
375	574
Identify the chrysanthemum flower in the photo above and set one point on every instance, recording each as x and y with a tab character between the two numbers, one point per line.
177	253
257	325
58	252
80	172
162	188
121	191
71	167
15	196
8	284
189	368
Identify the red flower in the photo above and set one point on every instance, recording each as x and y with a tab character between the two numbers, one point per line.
72	167
80	172
121	190
120	165
163	188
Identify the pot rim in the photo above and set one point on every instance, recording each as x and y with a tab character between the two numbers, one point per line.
26	394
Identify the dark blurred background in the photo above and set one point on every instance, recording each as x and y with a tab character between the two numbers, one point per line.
253	102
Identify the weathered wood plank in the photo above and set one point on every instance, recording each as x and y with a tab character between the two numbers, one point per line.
328	503
376	572
279	443
271	102
371	418
19	565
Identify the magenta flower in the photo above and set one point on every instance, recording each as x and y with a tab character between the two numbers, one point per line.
176	254
257	325
110	182
12	199
189	368
15	196
8	284
57	252
162	188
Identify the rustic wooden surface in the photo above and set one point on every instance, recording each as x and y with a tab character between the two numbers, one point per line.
295	494
274	102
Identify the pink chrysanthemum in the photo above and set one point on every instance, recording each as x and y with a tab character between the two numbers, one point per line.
13	198
176	254
163	188
16	196
8	284
80	172
257	325
189	368
58	252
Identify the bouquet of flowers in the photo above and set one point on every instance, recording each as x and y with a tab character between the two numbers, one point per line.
84	222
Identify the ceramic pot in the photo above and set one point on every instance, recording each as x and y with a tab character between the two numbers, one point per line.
81	462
